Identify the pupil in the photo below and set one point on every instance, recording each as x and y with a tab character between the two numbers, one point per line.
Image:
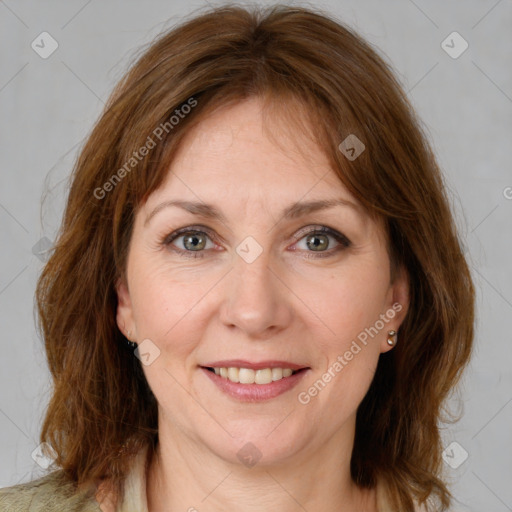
317	244
194	240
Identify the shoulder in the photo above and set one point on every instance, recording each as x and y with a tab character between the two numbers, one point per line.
50	493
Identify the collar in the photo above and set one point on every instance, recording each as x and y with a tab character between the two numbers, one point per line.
135	498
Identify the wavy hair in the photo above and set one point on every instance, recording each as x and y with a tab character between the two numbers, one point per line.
102	410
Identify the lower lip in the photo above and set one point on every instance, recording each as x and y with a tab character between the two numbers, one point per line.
255	392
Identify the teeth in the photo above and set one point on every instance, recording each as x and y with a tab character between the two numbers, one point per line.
245	375
233	375
249	376
263	376
277	373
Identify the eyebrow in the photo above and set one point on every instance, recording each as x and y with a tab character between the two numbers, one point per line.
293	211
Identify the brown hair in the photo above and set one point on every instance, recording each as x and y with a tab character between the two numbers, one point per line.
102	410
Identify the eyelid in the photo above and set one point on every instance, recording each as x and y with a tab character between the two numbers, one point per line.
322	229
187	229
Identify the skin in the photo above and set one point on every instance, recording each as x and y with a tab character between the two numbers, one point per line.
281	306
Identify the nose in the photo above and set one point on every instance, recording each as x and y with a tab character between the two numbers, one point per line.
255	299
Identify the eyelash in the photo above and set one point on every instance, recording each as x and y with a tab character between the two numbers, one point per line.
323	230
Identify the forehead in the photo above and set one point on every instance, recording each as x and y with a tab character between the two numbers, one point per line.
239	165
240	149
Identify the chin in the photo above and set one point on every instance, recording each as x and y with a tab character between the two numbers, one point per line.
263	444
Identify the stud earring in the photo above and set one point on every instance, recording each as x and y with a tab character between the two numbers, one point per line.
391	341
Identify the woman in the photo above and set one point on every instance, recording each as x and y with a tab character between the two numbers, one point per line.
258	297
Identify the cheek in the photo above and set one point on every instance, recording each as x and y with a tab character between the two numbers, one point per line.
169	309
350	304
348	301
162	297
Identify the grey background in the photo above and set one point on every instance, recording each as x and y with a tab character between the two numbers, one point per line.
48	106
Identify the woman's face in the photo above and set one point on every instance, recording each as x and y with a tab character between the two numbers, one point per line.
253	284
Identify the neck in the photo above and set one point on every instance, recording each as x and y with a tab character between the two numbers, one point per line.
185	475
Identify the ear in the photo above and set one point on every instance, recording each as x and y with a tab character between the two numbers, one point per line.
397	305
124	315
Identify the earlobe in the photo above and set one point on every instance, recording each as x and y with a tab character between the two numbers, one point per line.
124	314
398	306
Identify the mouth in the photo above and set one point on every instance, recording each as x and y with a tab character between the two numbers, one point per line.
254	385
261	376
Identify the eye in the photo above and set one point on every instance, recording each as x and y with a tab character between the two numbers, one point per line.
317	241
192	243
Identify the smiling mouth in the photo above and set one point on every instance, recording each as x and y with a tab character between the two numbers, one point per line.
249	376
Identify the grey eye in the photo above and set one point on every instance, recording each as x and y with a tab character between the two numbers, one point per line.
194	241
317	241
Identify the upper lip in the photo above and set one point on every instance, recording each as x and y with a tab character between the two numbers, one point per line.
240	363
